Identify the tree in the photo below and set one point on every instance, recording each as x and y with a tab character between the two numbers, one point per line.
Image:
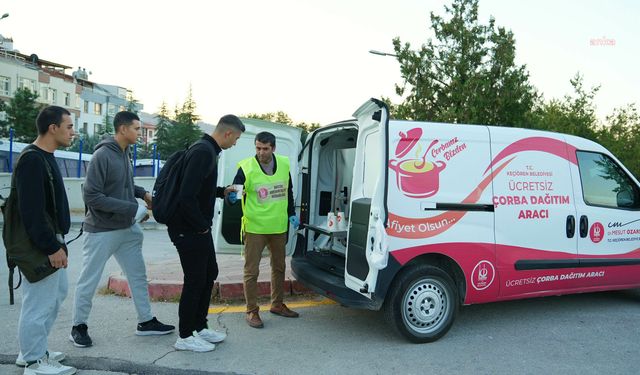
186	130
572	115
621	136
107	126
466	75
21	114
282	118
132	103
89	143
4	124
163	131
179	132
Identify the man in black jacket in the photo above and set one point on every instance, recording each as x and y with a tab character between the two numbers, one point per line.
42	299
190	232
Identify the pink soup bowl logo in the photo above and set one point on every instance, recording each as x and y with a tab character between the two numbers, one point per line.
417	178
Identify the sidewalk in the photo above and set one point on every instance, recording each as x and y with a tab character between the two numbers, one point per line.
165	272
166	278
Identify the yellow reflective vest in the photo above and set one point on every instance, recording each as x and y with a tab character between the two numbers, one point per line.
266	200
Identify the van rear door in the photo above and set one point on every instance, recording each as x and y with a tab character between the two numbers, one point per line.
366	252
226	218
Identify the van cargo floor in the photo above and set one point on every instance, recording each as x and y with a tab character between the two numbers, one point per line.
327	261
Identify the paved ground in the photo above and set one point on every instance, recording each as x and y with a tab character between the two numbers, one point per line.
118	350
594	333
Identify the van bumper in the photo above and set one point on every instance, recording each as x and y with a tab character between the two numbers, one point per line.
329	285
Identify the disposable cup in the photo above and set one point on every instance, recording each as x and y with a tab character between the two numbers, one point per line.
239	189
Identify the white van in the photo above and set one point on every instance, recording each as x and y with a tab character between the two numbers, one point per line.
439	215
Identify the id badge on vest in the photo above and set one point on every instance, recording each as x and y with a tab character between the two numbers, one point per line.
269	193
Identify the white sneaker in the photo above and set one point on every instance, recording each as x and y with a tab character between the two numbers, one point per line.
211	336
56	356
46	366
193	343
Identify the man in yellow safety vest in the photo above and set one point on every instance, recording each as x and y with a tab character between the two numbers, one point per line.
268	209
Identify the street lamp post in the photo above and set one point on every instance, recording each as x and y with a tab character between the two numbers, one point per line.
373	51
396	56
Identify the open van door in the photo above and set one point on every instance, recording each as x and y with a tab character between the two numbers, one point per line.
367	250
226	218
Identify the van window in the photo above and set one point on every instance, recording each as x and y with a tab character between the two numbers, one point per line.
372	163
604	183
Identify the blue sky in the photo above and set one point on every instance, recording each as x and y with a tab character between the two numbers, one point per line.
310	59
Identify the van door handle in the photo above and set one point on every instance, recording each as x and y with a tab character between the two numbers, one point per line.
571	226
584	226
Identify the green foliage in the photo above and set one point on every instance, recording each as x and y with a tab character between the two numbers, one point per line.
466	75
621	136
574	114
89	143
107	126
4	124
282	118
132	104
21	115
179	132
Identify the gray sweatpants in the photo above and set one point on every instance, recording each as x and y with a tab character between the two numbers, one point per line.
40	303
126	246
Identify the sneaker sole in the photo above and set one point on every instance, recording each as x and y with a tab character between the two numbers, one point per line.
201	350
57	359
213	341
78	345
153	333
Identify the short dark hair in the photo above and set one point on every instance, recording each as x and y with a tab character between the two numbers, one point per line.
124	118
266	137
50	115
230	122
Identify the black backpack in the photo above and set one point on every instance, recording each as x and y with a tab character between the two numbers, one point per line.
165	189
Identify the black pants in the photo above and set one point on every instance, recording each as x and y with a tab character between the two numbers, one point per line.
198	260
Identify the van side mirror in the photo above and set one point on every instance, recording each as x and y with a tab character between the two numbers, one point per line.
625	198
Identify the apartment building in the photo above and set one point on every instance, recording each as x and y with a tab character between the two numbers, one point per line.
46	78
91	104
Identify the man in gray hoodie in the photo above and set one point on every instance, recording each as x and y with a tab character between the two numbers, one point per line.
112	229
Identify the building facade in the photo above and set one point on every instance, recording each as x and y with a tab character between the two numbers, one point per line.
91	104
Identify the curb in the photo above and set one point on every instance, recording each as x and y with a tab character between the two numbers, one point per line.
162	290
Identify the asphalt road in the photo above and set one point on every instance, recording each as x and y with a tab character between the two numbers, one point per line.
595	333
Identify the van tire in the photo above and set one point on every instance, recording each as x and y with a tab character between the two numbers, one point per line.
434	291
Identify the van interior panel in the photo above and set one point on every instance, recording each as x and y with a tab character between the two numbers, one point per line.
332	166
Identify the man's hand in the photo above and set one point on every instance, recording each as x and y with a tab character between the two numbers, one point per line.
58	259
232	197
295	222
231	193
148	199
229	189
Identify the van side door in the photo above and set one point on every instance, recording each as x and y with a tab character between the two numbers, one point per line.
535	215
608	207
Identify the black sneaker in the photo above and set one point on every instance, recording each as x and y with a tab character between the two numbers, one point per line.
80	337
153	327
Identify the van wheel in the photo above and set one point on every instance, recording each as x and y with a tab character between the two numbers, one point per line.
422	304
